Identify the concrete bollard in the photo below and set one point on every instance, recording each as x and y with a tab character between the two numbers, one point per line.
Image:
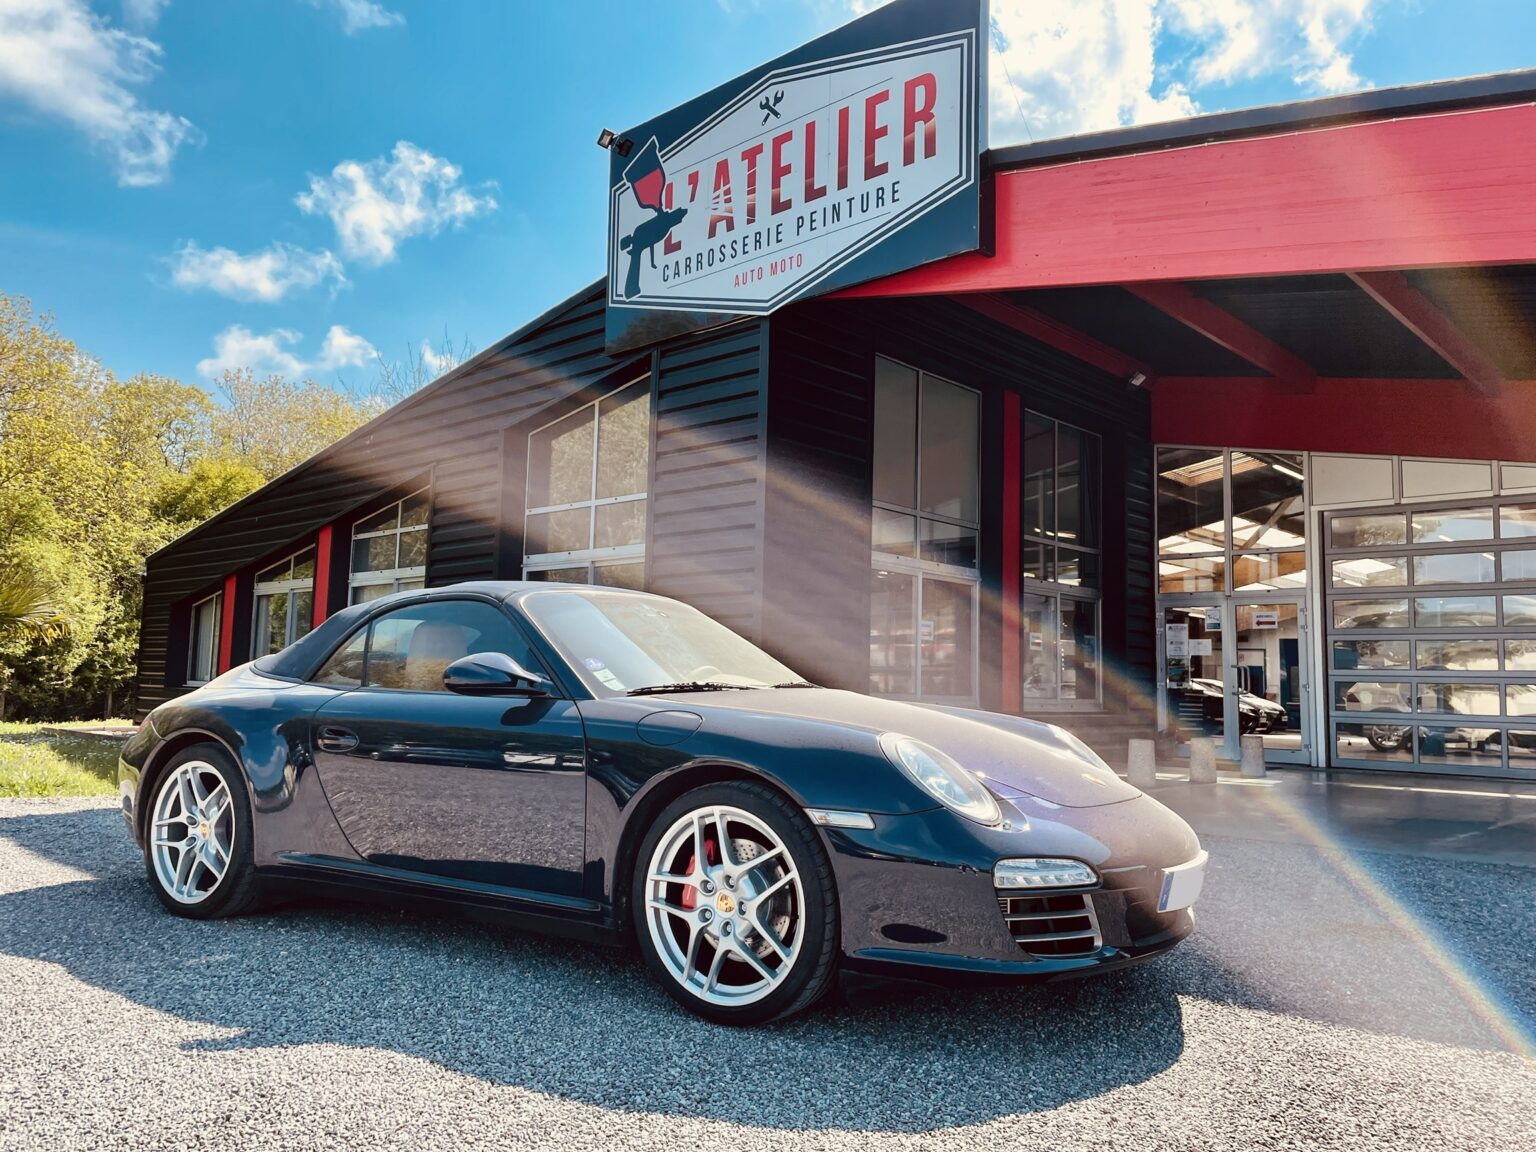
1141	763
1202	760
1253	757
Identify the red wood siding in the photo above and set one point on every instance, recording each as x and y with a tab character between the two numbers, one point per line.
227	626
1407	417
322	575
1451	189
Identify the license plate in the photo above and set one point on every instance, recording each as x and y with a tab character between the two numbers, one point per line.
1182	884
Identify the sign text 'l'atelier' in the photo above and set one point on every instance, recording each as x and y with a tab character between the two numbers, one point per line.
782	188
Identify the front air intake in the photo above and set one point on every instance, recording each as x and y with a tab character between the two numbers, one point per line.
1052	925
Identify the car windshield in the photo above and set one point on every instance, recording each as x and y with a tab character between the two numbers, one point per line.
621	642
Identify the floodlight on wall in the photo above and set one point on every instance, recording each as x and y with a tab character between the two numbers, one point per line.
610	139
1138	379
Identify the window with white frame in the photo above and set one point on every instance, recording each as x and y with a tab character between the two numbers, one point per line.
285	603
203	653
925	527
389	549
587	492
1060	531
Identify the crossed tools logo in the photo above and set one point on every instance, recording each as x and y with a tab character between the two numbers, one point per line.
648	181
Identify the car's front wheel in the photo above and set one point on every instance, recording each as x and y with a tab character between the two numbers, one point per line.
734	904
197	845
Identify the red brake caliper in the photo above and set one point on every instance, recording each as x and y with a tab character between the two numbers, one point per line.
690	893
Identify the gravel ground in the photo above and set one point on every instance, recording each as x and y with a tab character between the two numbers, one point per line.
1326	1002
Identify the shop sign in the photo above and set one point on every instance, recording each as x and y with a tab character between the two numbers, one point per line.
853	157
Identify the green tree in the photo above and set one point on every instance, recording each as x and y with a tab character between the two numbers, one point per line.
274	424
96	473
27	615
207	487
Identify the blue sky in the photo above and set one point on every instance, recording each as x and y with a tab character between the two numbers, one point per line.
295	184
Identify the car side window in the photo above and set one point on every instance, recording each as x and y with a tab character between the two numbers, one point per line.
345	667
410	647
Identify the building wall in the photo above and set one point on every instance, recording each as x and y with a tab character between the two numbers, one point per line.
760	478
705	521
817	528
1410	417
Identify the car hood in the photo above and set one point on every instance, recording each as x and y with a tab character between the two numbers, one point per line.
1016	756
1262	704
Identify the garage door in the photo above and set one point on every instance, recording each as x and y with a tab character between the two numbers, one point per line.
1432	637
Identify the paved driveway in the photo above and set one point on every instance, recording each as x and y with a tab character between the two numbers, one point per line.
1329	1000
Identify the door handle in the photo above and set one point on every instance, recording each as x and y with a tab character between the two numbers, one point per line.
337	740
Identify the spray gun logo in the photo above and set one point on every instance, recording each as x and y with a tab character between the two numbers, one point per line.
647	180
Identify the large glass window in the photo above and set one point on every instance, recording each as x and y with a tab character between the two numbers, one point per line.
587	493
389	549
1060	528
925	526
1234	521
203	653
285	603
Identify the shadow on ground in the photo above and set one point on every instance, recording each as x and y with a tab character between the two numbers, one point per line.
588	1024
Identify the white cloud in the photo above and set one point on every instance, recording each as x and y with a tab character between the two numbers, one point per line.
267	275
376	204
273	353
1060	67
264	354
142	14
1246	38
437	362
63	62
360	15
1076	66
344	349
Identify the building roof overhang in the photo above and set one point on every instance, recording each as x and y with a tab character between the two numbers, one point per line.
1376	237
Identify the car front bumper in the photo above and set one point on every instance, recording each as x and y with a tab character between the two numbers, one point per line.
917	897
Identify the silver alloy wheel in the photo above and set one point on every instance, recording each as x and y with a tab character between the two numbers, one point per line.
724	905
192	836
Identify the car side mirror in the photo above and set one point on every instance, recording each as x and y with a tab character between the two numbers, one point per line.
492	674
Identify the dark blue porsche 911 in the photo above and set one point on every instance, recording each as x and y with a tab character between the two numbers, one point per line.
618	766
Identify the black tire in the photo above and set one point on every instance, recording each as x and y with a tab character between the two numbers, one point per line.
814	963
238	890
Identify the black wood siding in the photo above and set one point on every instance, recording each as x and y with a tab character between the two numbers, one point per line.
705	520
451	432
820	412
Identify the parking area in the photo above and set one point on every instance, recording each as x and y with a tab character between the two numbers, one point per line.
1334	996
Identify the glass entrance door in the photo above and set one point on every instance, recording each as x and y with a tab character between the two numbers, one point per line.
1234	667
1194	670
1267	676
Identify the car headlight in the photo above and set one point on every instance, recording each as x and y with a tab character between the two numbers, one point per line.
947	781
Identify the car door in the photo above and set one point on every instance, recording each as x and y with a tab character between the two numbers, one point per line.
483	788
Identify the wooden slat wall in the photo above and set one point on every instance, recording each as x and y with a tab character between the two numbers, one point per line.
453	432
705	533
820	411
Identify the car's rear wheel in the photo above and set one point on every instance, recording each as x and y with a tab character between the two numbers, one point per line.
197	845
734	904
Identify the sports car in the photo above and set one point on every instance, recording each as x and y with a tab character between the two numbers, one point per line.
618	766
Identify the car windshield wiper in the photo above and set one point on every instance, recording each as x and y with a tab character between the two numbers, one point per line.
690	686
796	684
